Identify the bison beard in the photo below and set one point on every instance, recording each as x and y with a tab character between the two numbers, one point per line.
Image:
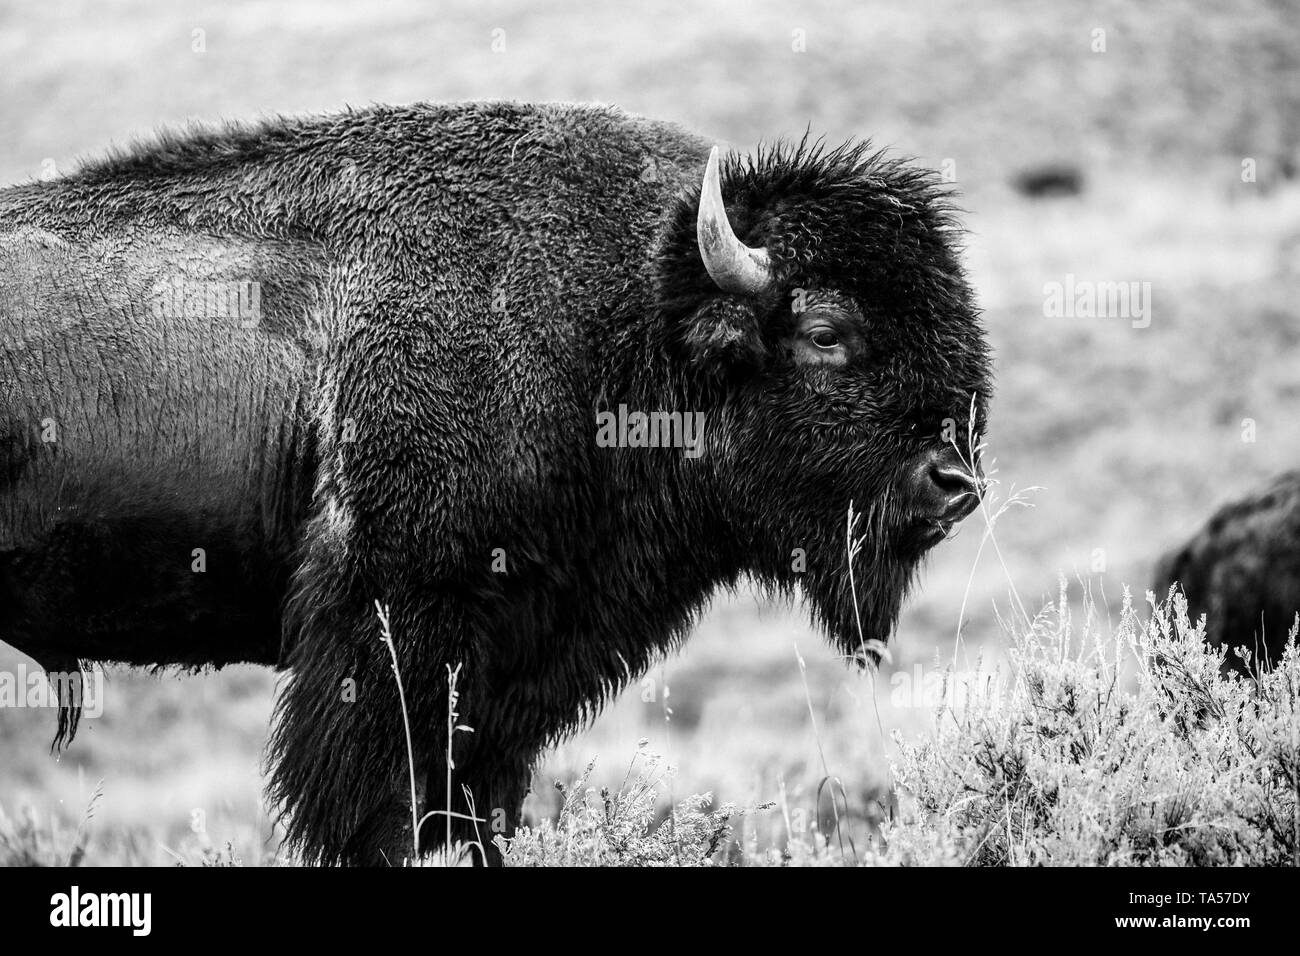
451	295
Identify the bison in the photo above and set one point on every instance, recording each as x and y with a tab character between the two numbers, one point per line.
258	378
1242	571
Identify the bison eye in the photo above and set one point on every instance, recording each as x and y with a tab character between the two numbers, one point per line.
825	339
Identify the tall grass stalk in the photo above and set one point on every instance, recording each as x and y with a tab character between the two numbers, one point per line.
450	852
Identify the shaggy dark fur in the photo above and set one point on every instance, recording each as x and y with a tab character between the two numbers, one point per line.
462	289
1242	571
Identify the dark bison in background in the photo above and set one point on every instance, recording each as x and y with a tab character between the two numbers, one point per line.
394	394
1242	571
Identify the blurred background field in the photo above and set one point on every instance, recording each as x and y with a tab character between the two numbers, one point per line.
1133	434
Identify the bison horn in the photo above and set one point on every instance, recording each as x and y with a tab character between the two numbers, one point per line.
734	266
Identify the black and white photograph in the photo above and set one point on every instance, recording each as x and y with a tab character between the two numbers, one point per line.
731	434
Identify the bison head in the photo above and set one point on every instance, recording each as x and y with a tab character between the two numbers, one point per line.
820	308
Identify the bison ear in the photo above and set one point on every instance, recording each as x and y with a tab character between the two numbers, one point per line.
725	329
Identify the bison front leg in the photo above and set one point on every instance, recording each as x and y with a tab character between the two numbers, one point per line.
485	794
340	767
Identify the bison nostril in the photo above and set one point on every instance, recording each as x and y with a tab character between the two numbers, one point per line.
954	481
953	493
